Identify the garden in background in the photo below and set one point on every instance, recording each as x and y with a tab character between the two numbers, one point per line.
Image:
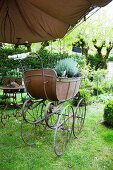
93	149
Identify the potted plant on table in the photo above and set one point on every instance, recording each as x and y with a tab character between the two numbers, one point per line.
13	76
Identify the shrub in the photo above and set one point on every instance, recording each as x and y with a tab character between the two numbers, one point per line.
66	67
4	60
85	94
14	73
108	85
80	59
99	75
94	61
97	90
105	97
49	59
2	100
86	83
108	113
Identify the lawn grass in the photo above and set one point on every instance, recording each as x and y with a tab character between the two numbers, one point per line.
93	150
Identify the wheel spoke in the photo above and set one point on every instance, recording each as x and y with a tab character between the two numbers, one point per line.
79	117
32	123
51	115
63	130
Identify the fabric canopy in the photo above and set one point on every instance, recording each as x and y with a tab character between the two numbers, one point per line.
23	21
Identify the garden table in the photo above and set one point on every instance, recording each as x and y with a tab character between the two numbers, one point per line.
11	100
11	92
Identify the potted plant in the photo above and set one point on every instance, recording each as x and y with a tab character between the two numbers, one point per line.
67	68
68	78
13	75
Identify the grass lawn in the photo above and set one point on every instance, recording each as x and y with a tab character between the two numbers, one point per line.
93	150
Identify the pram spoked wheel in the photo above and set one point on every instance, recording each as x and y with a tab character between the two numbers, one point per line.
63	129
52	113
32	121
79	117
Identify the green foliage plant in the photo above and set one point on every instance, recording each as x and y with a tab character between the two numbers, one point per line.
108	112
107	85
2	99
105	97
7	64
98	81
85	94
66	67
94	60
99	75
97	89
14	74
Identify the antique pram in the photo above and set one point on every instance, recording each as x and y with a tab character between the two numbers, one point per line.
49	107
40	23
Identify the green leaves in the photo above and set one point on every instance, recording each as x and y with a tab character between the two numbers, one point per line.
108	112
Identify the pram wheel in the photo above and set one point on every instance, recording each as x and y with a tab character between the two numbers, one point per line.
63	129
52	114
33	121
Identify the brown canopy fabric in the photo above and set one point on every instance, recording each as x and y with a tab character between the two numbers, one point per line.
24	21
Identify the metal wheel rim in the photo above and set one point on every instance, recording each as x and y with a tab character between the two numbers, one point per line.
79	118
67	130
